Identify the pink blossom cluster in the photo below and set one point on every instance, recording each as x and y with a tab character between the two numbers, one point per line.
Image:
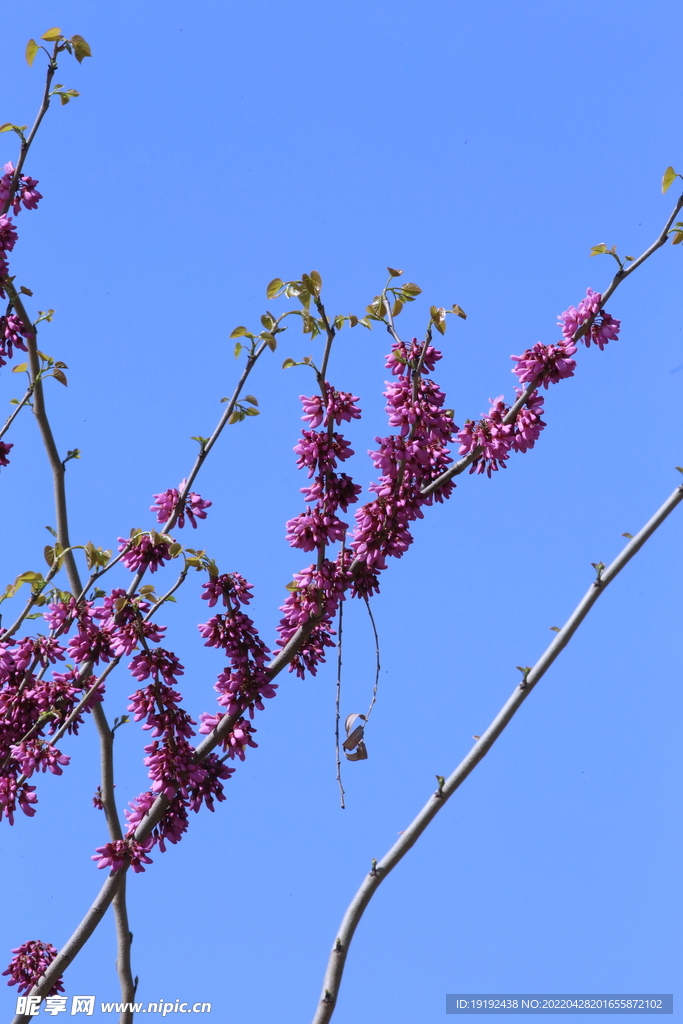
31	708
408	459
244	684
493	439
193	506
29	964
12	335
8	239
598	327
113	855
316	594
319	588
171	761
25	191
145	551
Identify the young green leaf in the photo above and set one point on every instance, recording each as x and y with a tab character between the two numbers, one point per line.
459	312
273	288
394	273
19	368
598	250
239	332
52	35
317	282
668	178
251	399
60	376
289	362
31	51
238	349
81	48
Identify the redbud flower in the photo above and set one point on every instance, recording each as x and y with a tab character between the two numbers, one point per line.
114	854
8	234
193	506
29	965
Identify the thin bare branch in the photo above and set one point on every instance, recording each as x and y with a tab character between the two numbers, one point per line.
380	870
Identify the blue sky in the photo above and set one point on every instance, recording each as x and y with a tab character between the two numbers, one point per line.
484	148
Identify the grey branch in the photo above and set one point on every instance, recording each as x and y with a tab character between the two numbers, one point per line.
436	802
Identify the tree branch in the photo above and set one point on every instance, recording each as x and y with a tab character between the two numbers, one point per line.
379	872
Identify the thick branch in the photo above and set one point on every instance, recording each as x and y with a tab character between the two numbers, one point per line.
379	872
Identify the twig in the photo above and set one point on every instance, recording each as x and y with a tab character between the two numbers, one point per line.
511	416
20	405
26	143
337	705
378	667
398	851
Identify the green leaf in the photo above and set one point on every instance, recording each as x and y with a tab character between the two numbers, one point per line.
365	322
30	577
19	368
200	440
270	341
292	587
397	307
251	412
251	399
60	376
668	178
237	416
459	312
353	320
394	273
629	535
411	289
25	291
238	349
52	35
555	629
598	250
267	321
288	363
175	549
679	468
317	282
81	48
677	238
31	51
239	332
273	288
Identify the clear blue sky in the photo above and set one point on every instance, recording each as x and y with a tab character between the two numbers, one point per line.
484	148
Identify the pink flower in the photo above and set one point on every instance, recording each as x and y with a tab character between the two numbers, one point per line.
8	234
4	452
143	551
313	528
29	964
113	855
193	506
230	587
25	193
551	362
35	755
156	662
